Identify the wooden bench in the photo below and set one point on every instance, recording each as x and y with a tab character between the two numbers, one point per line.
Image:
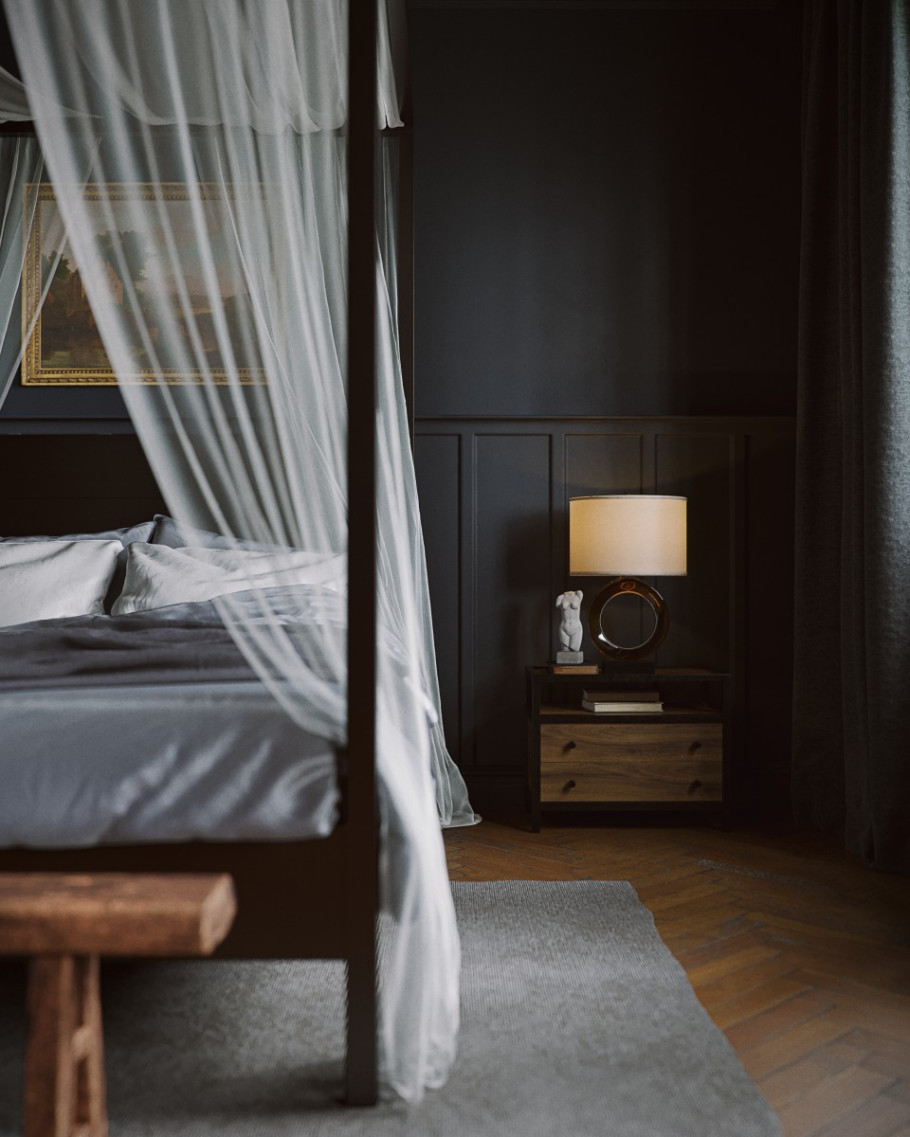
64	922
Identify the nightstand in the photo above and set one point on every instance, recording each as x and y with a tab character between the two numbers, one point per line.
675	759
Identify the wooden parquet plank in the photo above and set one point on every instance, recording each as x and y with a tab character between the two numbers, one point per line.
702	914
832	1099
790	1083
864	962
877	1019
888	1054
842	1053
766	963
756	1001
704	961
664	882
857	991
779	1051
875	1117
847	935
704	931
682	899
768	1024
901	1088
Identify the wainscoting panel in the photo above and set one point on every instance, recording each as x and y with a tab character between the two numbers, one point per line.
511	489
703	468
510	582
594	459
439	456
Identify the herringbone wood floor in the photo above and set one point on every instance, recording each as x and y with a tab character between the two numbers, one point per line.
798	953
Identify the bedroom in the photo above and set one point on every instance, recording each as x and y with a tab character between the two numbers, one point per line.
519	313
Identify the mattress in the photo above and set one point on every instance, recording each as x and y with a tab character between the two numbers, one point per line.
150	727
171	762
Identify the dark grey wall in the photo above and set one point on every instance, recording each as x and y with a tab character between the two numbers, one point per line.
607	220
607	208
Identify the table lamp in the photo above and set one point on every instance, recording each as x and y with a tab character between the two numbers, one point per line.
627	536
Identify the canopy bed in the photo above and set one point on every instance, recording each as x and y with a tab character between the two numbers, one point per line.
174	694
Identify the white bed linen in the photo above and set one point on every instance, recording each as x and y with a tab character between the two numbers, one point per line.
44	580
118	765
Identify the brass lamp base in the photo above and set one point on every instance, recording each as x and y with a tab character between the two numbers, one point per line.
624	586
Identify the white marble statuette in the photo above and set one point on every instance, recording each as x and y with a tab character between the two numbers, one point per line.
570	629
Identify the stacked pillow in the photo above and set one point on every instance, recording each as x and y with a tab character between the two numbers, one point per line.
151	565
44	578
183	564
158	575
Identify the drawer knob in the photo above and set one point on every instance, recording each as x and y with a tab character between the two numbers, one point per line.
570	784
696	785
570	746
696	745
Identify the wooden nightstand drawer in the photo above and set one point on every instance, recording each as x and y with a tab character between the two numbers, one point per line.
631	761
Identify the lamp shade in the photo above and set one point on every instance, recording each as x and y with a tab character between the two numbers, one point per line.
627	535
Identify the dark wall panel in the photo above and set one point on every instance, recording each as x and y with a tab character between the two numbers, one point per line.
511	588
603	463
702	468
437	459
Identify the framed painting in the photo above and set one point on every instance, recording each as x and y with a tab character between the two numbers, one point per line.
62	344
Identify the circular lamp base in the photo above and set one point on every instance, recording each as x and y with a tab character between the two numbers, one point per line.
625	586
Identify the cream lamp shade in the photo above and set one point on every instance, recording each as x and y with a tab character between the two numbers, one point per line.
627	535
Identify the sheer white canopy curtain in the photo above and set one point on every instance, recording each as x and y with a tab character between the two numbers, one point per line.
210	237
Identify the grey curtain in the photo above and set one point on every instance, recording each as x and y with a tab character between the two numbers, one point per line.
851	766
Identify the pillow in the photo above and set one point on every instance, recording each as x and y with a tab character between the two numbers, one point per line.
142	532
176	535
46	579
158	575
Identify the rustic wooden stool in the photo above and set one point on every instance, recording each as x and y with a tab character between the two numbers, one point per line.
64	922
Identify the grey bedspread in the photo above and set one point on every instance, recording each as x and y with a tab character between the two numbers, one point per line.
183	643
152	727
179	644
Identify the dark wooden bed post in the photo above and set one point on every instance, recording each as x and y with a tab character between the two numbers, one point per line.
362	861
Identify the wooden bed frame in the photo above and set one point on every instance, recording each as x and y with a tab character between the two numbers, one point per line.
296	900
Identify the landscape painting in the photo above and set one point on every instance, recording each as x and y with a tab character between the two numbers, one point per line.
63	346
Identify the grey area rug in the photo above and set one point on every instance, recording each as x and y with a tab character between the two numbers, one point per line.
577	1022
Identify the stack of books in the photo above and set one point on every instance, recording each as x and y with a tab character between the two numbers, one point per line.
622	702
574	668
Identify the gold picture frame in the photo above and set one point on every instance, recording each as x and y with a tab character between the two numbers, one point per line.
62	346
